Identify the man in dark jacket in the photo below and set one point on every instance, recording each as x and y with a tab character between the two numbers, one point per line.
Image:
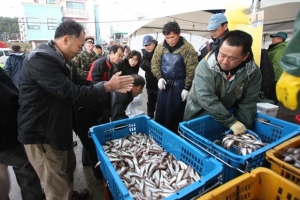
89	114
218	27
267	73
103	68
151	81
120	101
173	64
13	64
51	90
12	153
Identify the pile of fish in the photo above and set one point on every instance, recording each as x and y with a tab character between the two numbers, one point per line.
245	144
292	156
147	170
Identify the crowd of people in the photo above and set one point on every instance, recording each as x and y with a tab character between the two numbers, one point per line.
58	89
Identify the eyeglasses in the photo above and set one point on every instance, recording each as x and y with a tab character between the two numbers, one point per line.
90	42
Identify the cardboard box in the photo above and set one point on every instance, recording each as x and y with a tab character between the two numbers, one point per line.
267	109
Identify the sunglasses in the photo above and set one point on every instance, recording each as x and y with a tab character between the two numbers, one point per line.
90	42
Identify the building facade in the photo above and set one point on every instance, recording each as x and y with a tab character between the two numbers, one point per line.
42	17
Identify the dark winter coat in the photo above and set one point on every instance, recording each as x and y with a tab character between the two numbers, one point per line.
119	104
8	112
151	80
13	66
267	70
51	90
102	69
126	69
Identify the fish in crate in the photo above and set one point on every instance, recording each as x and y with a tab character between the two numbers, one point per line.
242	144
146	169
292	156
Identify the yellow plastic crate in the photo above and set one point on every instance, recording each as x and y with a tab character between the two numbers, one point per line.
282	168
260	184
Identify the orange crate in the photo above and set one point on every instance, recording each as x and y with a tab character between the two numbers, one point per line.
282	168
260	184
107	193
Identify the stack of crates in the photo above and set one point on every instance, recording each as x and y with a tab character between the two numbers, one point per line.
260	184
209	169
282	168
203	131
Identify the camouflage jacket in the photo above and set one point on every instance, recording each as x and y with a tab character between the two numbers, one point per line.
83	62
188	54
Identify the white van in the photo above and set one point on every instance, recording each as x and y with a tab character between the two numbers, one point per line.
4	53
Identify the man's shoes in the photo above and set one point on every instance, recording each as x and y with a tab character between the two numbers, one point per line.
81	194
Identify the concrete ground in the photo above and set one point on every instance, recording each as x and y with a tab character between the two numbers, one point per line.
84	177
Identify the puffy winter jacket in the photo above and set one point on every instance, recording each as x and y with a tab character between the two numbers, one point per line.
8	112
13	66
51	90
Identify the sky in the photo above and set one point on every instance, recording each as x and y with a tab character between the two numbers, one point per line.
11	8
129	15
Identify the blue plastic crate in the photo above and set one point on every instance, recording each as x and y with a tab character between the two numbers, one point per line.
204	130
207	167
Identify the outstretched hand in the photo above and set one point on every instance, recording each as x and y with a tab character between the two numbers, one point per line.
119	83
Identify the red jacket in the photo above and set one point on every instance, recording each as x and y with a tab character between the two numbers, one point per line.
101	70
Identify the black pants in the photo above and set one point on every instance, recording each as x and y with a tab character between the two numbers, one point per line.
151	104
84	123
269	92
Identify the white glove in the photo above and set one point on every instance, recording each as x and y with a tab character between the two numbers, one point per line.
238	128
161	84
184	95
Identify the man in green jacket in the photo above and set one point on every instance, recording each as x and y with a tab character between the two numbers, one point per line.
227	78
173	64
288	85
275	52
84	60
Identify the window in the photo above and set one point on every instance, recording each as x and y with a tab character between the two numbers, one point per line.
75	5
50	1
33	23
52	23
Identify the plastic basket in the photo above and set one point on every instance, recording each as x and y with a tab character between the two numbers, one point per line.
259	184
207	167
282	168
204	130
